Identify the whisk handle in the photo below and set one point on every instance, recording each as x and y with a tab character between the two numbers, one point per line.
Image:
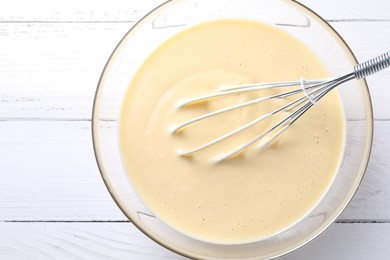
372	66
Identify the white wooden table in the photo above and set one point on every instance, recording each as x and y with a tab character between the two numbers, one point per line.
53	203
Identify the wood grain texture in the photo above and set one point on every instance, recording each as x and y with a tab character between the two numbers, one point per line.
50	71
76	11
51	57
350	10
77	241
124	10
41	241
49	173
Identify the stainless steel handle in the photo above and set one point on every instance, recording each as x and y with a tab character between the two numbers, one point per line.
372	66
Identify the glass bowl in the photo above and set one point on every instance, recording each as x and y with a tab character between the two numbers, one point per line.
171	18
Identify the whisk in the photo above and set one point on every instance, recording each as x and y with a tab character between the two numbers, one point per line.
311	91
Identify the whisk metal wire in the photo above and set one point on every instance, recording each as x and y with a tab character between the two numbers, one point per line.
313	91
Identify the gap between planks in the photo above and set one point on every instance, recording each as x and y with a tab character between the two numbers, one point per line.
340	221
124	241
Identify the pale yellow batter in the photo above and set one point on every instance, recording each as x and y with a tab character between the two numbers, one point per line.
256	194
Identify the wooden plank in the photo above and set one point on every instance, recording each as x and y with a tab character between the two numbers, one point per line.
73	10
48	172
360	35
52	70
348	242
350	10
77	241
124	241
373	195
60	58
123	10
51	56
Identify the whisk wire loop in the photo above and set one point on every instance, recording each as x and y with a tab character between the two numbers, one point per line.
313	91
